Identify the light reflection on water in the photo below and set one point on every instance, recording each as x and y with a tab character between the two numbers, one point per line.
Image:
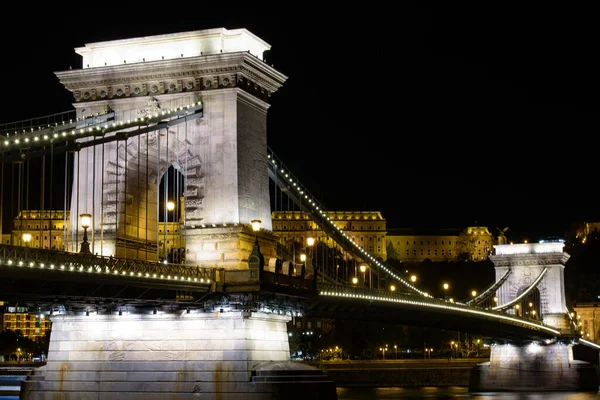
438	393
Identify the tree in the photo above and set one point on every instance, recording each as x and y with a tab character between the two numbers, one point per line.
11	340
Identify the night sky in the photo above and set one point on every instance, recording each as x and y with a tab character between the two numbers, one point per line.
438	117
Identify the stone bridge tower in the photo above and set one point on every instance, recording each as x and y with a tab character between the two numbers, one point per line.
221	155
536	364
539	264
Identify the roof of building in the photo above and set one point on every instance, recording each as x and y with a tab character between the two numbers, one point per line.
424	232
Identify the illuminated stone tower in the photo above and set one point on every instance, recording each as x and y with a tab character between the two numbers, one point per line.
529	365
534	267
221	155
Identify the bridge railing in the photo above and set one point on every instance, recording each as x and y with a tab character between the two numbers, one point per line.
384	295
34	258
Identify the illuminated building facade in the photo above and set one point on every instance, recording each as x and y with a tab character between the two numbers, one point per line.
369	230
34	326
473	243
45	229
588	321
584	229
365	228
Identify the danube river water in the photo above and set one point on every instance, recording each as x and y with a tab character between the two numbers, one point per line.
438	393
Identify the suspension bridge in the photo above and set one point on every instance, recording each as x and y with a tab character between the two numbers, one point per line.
186	122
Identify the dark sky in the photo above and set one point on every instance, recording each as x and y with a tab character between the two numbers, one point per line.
439	117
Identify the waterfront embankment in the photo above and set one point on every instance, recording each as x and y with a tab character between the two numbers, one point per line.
399	373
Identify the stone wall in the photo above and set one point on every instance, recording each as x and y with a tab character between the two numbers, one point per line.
153	356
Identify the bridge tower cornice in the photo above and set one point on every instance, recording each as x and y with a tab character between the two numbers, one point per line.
194	74
529	259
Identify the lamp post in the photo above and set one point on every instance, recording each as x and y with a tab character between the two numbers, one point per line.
256	261
446	286
310	241
85	220
303	268
363	269
383	350
170	207
27	239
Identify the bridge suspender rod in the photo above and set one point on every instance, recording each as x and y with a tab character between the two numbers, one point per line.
102	203
65	238
308	203
490	290
1	195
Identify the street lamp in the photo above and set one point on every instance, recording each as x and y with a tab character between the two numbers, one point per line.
392	288
256	227
446	286
256	260
413	278
354	280
383	350
310	241
27	239
363	269
170	207
85	220
473	293
303	260
396	349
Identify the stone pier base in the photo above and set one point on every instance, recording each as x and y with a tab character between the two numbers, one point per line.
225	356
533	367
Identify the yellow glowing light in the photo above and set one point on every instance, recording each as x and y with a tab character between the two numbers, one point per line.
86	219
255	224
170	206
310	241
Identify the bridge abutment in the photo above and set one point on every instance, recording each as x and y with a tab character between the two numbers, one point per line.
208	355
533	367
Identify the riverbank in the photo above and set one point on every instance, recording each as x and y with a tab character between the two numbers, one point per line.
399	373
